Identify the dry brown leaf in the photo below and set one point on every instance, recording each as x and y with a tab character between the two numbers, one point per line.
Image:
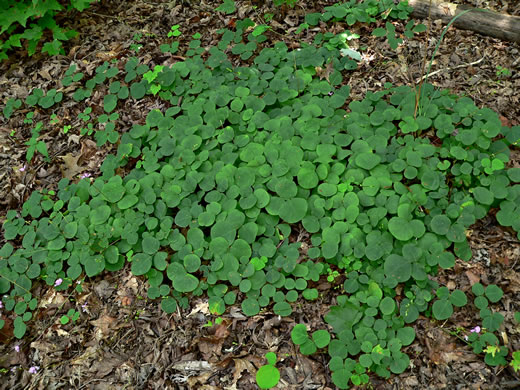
70	167
472	277
195	381
325	73
52	298
103	325
240	366
88	149
107	55
222	331
201	306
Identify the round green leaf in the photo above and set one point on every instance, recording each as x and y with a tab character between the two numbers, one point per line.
307	177
406	335
169	305
150	245
494	293
109	102
141	264
458	298
478	289
492	323
442	309
308	347
321	338
184	282
299	334
19	328
128	201
387	306
250	307
283	309
99	215
400	228
483	195
400	363
294	210
440	224
267	376
138	90
398	267
367	160
192	262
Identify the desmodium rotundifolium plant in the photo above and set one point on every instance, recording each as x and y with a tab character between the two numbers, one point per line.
220	184
268	375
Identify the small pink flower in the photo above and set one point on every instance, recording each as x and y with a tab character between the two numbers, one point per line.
23	168
17	348
58	282
1	305
476	329
84	176
34	369
84	307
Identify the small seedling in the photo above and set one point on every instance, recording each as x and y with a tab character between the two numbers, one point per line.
174	31
54	119
72	315
29	118
35	145
136	46
268	375
503	72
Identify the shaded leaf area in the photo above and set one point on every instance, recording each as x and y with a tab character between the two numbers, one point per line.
236	190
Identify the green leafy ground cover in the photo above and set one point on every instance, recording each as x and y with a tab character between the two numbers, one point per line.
35	18
219	185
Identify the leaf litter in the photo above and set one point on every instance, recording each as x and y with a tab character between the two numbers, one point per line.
122	338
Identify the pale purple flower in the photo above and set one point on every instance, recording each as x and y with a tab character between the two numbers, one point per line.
34	369
1	305
23	168
331	93
84	307
476	329
17	348
84	175
58	282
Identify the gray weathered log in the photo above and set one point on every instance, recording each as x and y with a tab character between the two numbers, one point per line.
480	20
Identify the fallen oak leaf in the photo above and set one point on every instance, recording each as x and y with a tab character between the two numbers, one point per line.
70	168
325	73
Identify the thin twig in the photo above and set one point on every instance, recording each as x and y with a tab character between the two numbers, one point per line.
448	69
418	93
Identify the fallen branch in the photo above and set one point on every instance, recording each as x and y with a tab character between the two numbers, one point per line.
480	20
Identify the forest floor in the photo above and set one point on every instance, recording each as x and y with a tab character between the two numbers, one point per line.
123	340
